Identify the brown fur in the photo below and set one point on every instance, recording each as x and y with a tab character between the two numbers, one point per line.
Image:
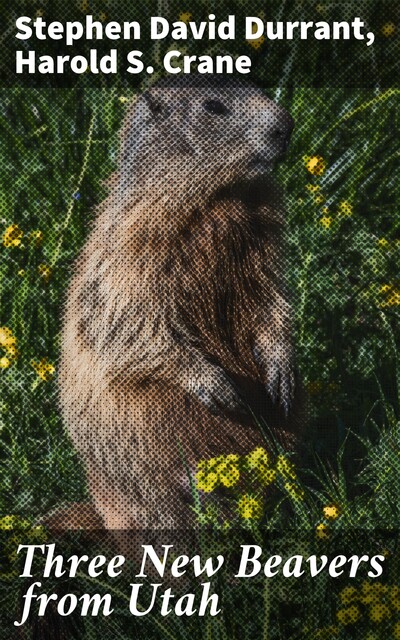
177	311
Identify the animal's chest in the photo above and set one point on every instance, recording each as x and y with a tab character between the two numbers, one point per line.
218	270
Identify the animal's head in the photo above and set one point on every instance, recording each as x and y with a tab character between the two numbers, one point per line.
202	128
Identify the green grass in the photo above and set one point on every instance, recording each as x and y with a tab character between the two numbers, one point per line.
56	149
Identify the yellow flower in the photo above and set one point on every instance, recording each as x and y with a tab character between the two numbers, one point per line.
123	99
9	344
267	476
84	6
5	362
206	481
285	467
313	187
219	470
21	273
36	238
388	29
349	615
315	165
250	508
322	531
379	612
331	512
228	474
231	458
12	236
37	534
348	595
44	369
345	208
257	43
385	288
382	242
12	352
326	222
7	339
396	631
294	491
44	272
319	199
185	17
8	523
257	457
393	297
372	593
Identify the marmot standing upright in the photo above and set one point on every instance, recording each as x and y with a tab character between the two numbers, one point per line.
177	315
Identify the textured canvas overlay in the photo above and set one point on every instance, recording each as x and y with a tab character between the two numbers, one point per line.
199	307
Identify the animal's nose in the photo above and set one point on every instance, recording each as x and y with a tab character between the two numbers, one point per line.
271	131
281	130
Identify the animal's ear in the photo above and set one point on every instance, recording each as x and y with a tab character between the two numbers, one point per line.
154	103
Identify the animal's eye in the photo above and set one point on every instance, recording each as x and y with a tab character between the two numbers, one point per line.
216	107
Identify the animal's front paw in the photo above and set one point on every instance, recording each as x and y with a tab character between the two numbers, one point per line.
214	389
276	365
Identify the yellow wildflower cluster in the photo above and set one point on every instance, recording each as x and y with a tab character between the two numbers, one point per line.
375	601
185	17
250	508
383	243
256	470
12	237
326	222
8	344
313	188
316	165
44	369
349	615
257	43
44	272
259	461
322	531
331	512
345	208
222	470
388	29
392	295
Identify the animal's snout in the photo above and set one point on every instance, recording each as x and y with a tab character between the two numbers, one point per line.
280	130
271	132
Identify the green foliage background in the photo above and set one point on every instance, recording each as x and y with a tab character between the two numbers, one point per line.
57	146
